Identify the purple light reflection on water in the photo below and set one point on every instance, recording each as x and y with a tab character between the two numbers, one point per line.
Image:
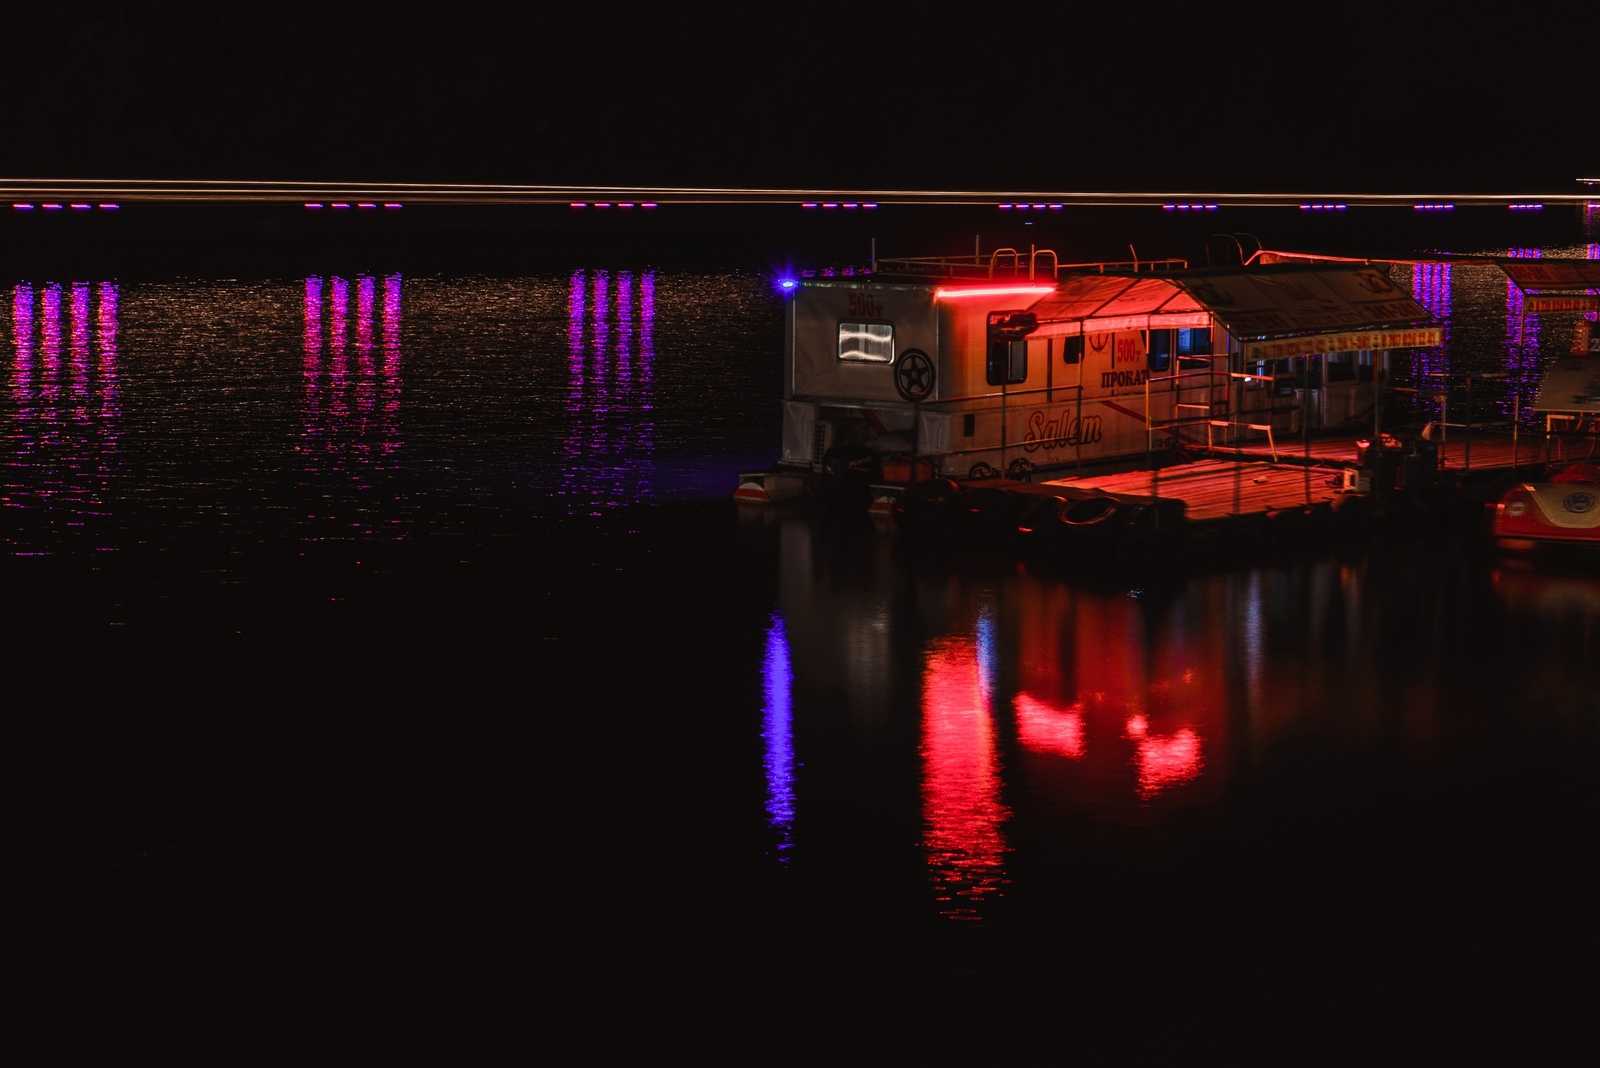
50	348
365	385
110	385
78	339
571	447
391	362
1430	284
64	434
350	419
22	328
1522	335
609	442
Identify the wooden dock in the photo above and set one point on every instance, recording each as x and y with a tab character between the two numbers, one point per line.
1203	499
1217	489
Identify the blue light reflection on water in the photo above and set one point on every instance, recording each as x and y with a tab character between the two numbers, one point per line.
777	735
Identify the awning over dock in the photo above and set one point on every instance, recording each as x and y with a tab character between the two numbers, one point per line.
1555	285
1273	311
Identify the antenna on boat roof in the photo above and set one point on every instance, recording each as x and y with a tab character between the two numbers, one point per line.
1135	257
873	260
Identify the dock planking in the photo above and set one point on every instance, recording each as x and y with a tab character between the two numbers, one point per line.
1229	482
1218	489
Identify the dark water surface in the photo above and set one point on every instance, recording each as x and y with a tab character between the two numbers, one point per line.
386	660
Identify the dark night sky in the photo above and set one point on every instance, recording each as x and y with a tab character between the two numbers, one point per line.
818	95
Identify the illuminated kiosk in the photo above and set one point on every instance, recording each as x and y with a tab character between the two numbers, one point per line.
1011	364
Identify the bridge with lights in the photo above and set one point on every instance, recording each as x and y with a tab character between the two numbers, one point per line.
26	195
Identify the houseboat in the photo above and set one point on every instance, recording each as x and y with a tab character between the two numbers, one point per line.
1016	365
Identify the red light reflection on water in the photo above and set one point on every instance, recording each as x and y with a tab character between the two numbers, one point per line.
1129	704
1047	729
1163	760
961	806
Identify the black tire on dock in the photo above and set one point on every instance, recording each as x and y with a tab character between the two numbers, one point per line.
1085	513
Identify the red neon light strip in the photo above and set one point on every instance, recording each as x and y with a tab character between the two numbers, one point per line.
944	293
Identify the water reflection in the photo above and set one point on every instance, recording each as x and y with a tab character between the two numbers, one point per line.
961	807
1163	760
1050	711
1492	338
351	412
1522	338
65	389
608	453
777	735
1430	283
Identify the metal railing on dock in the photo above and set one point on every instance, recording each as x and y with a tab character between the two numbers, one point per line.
1009	263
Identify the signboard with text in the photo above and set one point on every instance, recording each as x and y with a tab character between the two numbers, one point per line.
1420	337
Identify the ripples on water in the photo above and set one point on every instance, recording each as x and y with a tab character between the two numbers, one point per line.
374	406
776	736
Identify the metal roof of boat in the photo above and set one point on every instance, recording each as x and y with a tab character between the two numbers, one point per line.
1272	301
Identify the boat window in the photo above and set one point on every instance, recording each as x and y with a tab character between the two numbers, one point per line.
1159	353
1007	364
1194	341
866	342
1072	349
1339	367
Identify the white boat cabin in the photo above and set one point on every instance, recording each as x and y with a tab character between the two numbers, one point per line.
1014	363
